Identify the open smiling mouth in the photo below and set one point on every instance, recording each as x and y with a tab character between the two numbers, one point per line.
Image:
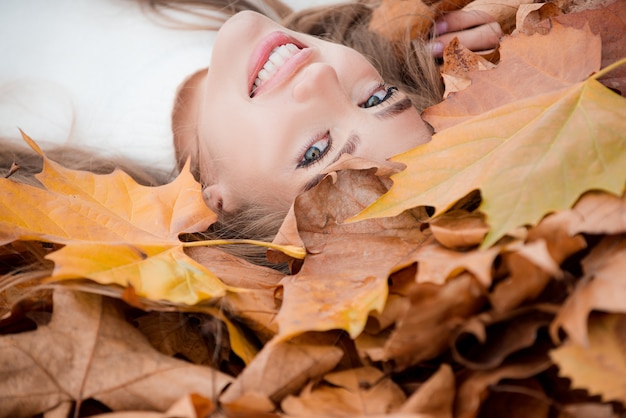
279	56
276	59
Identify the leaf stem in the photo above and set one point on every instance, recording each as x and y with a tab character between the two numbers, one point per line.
290	250
609	68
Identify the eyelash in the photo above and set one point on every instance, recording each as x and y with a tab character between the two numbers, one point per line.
303	163
391	91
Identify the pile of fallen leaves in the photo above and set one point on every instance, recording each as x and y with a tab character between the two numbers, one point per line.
486	279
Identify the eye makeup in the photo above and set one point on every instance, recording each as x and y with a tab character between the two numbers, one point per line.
395	108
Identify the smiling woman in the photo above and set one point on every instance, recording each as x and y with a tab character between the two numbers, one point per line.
274	106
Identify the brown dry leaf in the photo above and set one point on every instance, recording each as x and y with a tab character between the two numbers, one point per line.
529	17
600	366
610	23
437	264
89	351
362	391
529	66
555	230
344	276
530	269
249	405
256	306
602	288
475	387
459	229
458	61
282	368
586	410
189	406
432	319
599	213
397	20
435	397
498	336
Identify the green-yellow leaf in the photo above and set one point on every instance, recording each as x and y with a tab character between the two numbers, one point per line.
528	158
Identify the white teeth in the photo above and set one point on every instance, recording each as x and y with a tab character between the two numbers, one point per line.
278	57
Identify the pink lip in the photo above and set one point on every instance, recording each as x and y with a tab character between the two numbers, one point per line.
262	52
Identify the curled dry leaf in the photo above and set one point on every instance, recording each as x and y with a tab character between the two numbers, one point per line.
599	213
498	336
459	229
437	264
458	61
431	321
72	359
602	288
529	16
435	397
555	230
530	270
474	387
600	365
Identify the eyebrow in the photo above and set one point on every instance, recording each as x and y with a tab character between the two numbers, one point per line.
395	109
348	148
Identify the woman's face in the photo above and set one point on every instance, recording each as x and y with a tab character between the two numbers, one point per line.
278	106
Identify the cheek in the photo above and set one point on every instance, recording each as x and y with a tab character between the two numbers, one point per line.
401	134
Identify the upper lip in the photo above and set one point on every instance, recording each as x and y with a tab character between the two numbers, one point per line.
263	50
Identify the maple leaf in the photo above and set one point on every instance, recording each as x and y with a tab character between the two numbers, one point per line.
72	359
344	276
528	158
599	367
115	231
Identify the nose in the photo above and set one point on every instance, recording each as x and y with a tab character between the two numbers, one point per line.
318	81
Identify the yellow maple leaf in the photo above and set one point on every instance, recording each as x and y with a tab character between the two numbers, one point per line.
528	158
114	231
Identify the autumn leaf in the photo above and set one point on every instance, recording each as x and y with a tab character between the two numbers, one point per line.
115	231
529	66
602	288
282	368
354	392
599	367
73	358
528	158
344	276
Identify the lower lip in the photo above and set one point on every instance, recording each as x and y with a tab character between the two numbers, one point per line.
285	72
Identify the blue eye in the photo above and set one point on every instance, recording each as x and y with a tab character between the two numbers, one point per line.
315	152
380	96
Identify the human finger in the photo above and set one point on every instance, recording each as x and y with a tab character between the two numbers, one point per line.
461	20
480	38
